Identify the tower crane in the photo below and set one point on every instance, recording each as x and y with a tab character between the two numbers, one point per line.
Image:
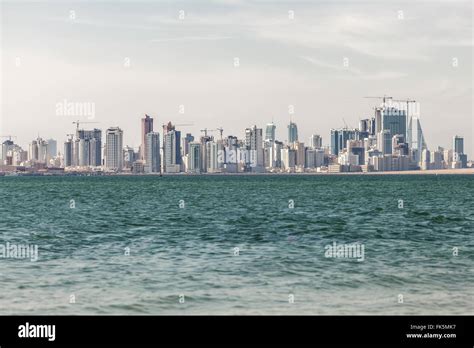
79	121
221	130
408	101
205	131
384	98
171	126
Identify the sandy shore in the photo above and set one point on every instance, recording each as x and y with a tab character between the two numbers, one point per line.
419	172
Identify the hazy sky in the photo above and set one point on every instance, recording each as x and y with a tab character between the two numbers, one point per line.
322	58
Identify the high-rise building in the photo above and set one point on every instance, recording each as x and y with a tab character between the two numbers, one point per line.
68	150
203	152
364	128
186	141
152	151
364	125
458	144
384	142
399	147
292	132
448	158
314	158
356	148
7	146
213	163
114	149
147	127
425	159
84	152
194	157
300	154
436	160
372	126
288	158
395	121
128	157
172	151
38	151
378	119
310	158
52	148
339	138
270	132
267	153
254	145
315	141
87	148
416	140
275	154
334	142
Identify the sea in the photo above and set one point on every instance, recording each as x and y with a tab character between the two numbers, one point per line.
237	245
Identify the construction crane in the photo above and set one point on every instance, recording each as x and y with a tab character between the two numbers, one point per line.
221	130
384	98
205	131
408	101
79	121
169	124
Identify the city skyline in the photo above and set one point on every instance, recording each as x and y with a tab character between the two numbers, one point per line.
234	63
391	140
291	129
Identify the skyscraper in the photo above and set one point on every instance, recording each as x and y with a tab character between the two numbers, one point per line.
300	154
38	151
152	151
416	140
7	146
425	159
172	151
364	125
186	141
84	152
129	157
288	158
87	148
67	159
334	142
194	157
147	127
339	138
378	119
52	148
292	132
212	150
254	144
384	142
270	132
458	144
114	149
315	141
356	148
395	121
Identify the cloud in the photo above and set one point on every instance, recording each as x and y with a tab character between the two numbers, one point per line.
330	66
192	38
382	75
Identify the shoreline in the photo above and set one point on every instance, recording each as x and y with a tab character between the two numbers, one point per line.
461	171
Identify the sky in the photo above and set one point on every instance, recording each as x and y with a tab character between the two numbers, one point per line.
233	64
